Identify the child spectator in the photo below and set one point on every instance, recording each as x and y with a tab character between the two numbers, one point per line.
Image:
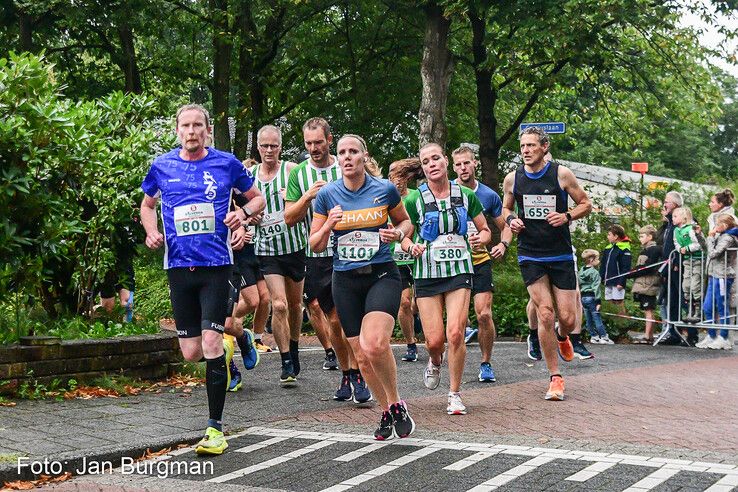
721	254
589	286
616	259
688	244
647	283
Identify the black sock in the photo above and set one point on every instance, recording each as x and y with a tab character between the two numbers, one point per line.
330	351
353	372
285	356
413	346
575	338
552	376
347	373
558	336
533	334
243	343
216	380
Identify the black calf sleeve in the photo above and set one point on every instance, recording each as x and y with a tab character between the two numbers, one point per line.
216	380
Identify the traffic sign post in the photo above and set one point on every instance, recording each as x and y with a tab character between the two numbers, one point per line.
548	127
640	167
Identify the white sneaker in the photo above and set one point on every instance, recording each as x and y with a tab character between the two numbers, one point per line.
727	344
606	341
594	340
455	405
705	342
716	344
432	375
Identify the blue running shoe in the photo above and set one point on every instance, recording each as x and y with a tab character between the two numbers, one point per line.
236	380
361	392
469	334
411	355
486	374
581	352
534	349
344	391
248	350
129	308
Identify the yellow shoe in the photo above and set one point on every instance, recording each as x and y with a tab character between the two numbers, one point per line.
260	347
228	349
214	442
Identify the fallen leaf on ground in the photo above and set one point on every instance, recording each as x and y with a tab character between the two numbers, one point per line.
149	454
32	484
89	392
7	404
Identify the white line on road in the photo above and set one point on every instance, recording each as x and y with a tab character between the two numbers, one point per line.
653	480
511	474
361	452
470	460
592	470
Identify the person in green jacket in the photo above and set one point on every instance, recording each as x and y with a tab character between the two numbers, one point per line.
589	287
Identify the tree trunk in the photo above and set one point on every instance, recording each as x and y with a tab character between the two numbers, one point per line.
25	29
486	100
258	100
128	59
222	49
435	70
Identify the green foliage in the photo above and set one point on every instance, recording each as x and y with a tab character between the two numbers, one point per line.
152	286
69	186
32	389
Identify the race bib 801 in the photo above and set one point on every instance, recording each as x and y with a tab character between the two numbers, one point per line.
195	218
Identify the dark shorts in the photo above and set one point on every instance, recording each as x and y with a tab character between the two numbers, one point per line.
291	265
406	276
199	298
318	280
250	276
374	288
482	280
121	276
429	287
646	301
561	274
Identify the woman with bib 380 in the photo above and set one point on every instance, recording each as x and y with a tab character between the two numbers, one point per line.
443	267
366	282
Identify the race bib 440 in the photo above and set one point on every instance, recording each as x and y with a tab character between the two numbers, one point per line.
195	218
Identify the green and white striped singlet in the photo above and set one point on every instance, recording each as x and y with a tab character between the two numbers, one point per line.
301	179
273	236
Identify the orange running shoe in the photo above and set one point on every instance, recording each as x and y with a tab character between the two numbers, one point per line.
556	389
566	349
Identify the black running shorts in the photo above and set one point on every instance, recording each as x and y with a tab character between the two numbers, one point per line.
291	265
199	298
318	278
372	288
482	281
429	287
406	276
646	301
561	274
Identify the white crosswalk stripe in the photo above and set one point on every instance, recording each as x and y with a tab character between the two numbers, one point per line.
723	476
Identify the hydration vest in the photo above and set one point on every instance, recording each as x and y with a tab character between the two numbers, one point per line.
430	227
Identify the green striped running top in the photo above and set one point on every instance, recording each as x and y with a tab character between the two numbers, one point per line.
426	266
273	237
301	179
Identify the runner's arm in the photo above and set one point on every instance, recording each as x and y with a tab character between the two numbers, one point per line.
508	205
321	227
483	234
154	238
401	221
255	203
505	237
569	183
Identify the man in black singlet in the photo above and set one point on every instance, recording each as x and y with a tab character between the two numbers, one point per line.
540	190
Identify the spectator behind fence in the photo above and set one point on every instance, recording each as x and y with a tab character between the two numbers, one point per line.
647	280
615	263
722	242
686	241
589	287
720	203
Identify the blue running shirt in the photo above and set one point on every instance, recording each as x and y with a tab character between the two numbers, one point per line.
195	198
492	206
356	238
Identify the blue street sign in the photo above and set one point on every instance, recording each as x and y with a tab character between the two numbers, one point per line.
550	127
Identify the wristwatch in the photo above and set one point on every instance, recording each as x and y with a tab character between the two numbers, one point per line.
247	211
568	217
507	245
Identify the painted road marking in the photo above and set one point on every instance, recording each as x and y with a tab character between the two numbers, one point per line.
662	468
511	474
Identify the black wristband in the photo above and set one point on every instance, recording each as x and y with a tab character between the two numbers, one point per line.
568	217
510	218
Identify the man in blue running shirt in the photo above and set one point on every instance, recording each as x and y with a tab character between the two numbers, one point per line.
196	184
465	166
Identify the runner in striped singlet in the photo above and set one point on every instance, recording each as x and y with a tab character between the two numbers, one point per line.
304	183
280	250
443	268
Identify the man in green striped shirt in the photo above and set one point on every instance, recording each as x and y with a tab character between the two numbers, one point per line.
304	183
281	251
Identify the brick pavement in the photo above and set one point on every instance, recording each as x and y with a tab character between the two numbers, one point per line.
681	405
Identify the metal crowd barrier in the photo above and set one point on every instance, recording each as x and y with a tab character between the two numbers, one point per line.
691	292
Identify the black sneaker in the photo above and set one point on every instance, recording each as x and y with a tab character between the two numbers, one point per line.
411	355
403	423
344	392
330	363
534	349
581	352
385	431
288	376
361	391
295	356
